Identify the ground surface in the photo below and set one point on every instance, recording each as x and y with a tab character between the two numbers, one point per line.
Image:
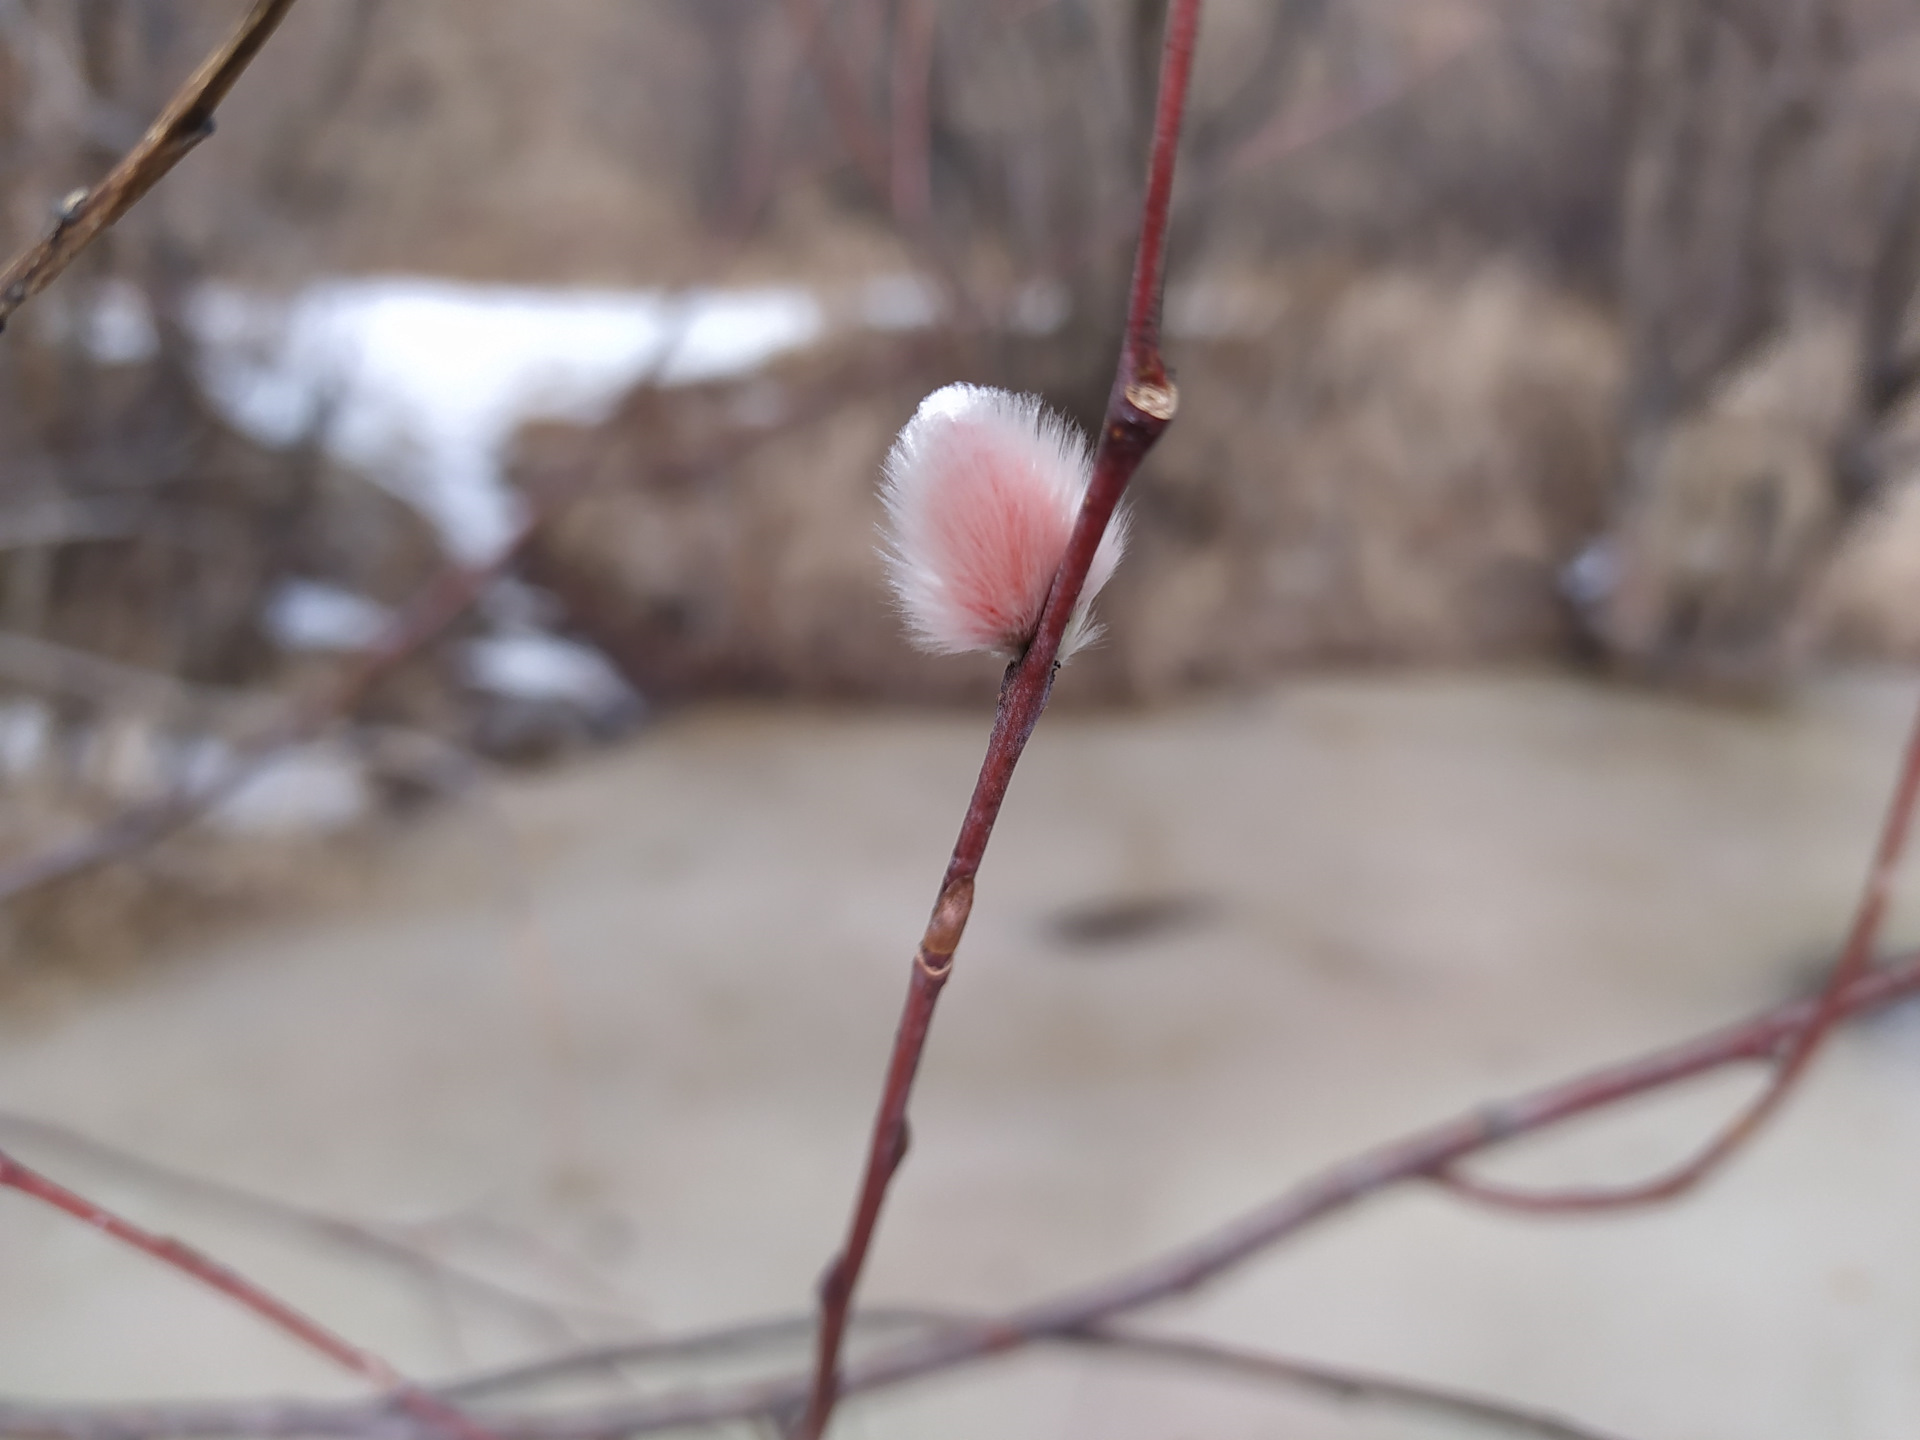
611	1036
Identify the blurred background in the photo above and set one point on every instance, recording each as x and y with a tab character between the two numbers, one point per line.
1506	672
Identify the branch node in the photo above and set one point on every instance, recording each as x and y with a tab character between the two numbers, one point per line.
949	921
1156	401
68	209
935	967
833	1282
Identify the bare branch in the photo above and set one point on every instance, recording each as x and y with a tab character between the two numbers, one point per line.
433	608
439	603
59	669
1338	1383
1139	408
440	1415
912	119
1889	374
1888	370
354	1236
840	88
1271	76
1856	955
183	124
1293	129
1412	1158
1332	1382
721	1340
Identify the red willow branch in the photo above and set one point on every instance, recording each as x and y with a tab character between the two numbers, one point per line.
1138	411
1417	1157
183	124
1334	1382
437	1413
370	1242
1856	955
1331	1382
186	120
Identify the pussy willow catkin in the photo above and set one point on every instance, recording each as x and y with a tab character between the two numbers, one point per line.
982	488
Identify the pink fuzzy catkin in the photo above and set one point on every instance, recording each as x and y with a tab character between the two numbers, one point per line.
982	488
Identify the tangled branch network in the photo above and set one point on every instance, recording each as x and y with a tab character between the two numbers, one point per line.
1004	528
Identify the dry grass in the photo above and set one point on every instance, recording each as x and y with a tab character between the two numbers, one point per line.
1389	465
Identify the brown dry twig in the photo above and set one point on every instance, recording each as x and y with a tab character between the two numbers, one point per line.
183	124
439	603
911	140
436	606
1333	1382
1139	409
186	120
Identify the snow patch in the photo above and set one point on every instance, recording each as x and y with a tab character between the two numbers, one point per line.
421	383
311	615
309	789
532	665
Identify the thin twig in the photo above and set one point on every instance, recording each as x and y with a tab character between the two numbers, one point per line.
442	601
911	137
435	606
1285	138
33	44
1338	1382
183	124
723	1341
1138	410
894	166
369	1241
37	664
1295	129
840	89
1855	958
1335	1382
1417	1157
439	1414
1335	1190
755	166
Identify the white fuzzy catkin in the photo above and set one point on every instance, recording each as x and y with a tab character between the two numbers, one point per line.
982	489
